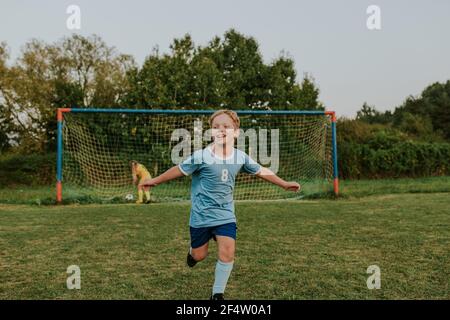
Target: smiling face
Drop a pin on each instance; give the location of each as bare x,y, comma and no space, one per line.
224,129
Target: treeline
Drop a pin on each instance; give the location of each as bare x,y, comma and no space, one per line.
80,71
411,141
228,72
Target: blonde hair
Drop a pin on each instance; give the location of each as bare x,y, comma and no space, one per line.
233,115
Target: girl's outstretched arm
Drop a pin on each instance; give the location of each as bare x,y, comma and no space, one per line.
170,174
268,175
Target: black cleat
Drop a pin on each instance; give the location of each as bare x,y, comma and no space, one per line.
190,260
217,296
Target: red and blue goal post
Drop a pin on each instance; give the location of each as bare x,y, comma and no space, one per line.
60,121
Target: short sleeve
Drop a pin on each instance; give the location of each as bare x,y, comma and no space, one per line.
191,164
250,166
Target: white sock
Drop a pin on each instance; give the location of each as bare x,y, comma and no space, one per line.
223,271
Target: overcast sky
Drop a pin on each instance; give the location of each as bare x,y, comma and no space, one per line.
327,39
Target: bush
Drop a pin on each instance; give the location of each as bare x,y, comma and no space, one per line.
382,151
31,170
400,159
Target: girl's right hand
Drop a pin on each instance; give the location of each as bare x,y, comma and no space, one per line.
292,186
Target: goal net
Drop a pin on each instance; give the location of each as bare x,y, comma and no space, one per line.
97,147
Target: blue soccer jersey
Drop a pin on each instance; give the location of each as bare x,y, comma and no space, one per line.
213,181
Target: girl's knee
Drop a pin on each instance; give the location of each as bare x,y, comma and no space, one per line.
199,255
226,255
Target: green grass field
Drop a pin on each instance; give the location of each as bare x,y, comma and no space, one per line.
46,195
307,249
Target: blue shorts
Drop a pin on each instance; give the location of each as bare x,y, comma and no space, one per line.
200,236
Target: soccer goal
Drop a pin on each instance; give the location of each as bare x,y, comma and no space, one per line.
95,147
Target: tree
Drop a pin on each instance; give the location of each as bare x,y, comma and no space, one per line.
76,71
415,125
8,127
5,139
80,71
227,73
434,102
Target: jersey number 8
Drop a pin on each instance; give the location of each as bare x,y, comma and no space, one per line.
224,175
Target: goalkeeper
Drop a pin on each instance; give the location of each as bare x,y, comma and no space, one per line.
140,173
214,170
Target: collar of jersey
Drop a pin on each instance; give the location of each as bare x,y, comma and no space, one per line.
209,148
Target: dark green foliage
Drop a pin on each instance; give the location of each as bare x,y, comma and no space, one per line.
379,151
426,117
227,73
413,141
5,141
433,103
30,170
369,114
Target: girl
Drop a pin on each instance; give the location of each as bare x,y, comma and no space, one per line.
214,170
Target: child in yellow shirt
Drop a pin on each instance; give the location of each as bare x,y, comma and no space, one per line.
140,173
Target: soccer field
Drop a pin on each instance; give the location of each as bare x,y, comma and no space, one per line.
315,249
